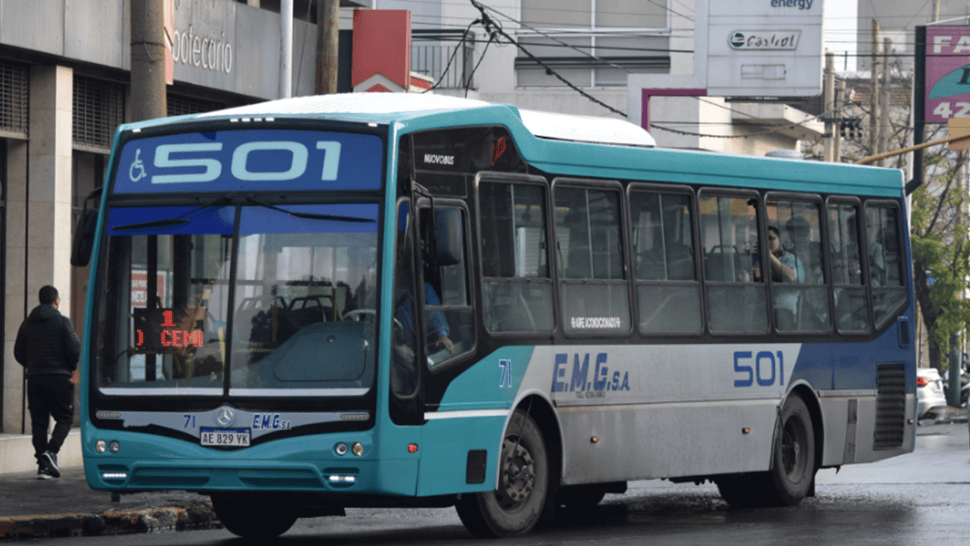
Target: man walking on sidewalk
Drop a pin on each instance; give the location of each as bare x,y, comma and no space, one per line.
48,347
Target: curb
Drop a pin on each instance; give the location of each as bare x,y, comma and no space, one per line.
193,515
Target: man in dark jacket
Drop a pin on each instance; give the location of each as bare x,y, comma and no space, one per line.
48,347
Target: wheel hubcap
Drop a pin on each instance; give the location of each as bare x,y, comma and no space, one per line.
518,474
792,440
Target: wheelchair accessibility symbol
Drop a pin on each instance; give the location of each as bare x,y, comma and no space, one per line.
137,169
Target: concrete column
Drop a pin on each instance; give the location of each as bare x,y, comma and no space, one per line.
38,217
49,187
15,286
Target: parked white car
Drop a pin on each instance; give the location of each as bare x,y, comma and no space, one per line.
929,393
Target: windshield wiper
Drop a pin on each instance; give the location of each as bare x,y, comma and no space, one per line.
178,220
308,215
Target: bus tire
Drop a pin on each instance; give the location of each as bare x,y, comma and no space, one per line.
581,496
252,518
793,455
523,484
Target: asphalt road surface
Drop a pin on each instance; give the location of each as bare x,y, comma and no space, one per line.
922,498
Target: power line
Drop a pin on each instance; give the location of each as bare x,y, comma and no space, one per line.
492,28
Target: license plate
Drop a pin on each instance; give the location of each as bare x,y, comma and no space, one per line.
224,437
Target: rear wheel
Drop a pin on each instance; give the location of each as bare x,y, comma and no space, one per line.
253,517
523,483
792,466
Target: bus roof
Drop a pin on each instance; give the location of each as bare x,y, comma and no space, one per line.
559,143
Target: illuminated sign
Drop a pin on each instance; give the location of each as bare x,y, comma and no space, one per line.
165,331
247,160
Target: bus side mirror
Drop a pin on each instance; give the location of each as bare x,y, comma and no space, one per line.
447,224
83,238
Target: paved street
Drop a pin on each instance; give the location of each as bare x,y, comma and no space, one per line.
920,498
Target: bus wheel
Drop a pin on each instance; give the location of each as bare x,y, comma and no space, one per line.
792,466
581,496
793,455
523,482
742,490
252,518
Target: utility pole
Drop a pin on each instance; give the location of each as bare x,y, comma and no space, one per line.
147,63
884,103
828,102
286,49
148,101
328,35
839,98
873,90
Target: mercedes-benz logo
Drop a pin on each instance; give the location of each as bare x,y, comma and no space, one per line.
224,416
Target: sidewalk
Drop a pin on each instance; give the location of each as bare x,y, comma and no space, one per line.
66,506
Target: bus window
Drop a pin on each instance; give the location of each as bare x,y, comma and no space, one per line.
167,302
595,295
447,307
403,352
851,308
886,275
663,254
735,284
800,304
302,285
516,284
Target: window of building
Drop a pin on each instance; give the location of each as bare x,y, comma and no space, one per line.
592,43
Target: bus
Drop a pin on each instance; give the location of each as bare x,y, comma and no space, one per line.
408,300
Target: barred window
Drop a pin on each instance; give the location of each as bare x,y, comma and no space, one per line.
14,97
99,107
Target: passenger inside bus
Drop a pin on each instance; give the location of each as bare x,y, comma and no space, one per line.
785,268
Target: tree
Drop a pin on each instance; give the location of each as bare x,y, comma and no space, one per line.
941,255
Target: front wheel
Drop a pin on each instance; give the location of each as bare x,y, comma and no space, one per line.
253,518
523,483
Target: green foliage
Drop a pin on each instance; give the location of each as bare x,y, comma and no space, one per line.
941,255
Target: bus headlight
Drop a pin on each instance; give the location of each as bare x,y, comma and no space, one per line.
357,449
114,447
341,448
100,446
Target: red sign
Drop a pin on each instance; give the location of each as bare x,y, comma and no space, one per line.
947,73
139,288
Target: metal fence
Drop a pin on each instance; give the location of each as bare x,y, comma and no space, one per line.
430,54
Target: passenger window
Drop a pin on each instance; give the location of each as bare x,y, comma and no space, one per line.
851,309
668,292
448,321
595,294
799,295
516,283
735,286
885,260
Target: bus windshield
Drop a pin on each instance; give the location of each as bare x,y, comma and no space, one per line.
262,300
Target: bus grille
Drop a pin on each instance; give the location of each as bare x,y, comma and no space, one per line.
890,406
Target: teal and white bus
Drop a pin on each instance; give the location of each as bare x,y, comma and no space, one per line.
317,303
